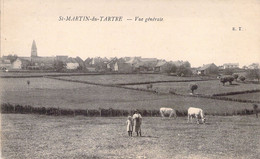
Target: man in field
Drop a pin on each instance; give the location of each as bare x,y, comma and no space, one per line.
137,122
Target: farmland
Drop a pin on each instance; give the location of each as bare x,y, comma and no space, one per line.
124,79
251,96
204,87
33,136
44,92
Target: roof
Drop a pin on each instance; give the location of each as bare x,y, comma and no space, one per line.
133,60
230,64
204,67
160,63
5,61
71,60
43,59
148,59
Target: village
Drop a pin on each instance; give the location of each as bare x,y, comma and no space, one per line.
113,65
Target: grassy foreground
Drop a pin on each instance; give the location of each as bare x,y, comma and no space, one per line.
32,136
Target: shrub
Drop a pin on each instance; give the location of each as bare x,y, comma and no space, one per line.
228,71
253,74
235,76
149,86
225,79
242,78
172,91
193,87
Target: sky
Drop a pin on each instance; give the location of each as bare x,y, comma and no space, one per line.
199,31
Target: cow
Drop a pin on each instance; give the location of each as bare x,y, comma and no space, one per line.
168,111
197,113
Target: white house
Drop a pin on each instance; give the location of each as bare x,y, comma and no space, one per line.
71,64
20,63
230,65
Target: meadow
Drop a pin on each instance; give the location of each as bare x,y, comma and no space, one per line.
128,78
43,92
250,96
204,87
40,136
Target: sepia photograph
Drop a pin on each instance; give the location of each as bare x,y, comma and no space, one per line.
140,79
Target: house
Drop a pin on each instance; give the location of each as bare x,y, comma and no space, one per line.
208,69
230,65
43,62
119,65
81,63
98,63
254,66
62,58
5,64
160,66
91,69
20,63
145,64
113,65
71,63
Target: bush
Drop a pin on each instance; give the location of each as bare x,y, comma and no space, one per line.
149,86
228,71
235,76
172,91
242,78
225,79
193,87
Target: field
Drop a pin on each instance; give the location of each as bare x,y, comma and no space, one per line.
131,78
32,136
204,87
43,92
250,96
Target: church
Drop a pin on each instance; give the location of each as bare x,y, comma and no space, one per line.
35,62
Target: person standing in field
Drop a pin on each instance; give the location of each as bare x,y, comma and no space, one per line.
129,127
255,106
137,123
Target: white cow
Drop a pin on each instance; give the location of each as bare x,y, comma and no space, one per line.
197,113
168,111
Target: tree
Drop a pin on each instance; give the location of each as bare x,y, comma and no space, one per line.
170,68
186,64
184,71
235,76
228,71
59,65
193,87
12,58
253,74
242,78
225,79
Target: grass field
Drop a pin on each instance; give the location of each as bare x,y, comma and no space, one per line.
204,87
248,96
44,92
128,78
32,136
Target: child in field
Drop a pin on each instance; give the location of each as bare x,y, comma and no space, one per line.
129,127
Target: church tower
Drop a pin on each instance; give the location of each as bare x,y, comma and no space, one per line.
34,50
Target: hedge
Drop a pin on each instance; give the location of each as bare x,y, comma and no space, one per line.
237,92
19,109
